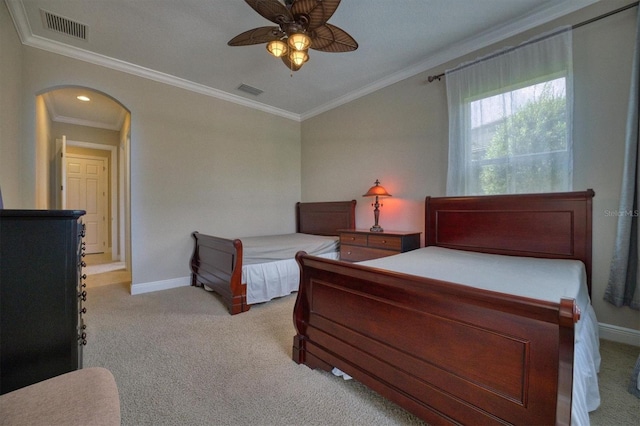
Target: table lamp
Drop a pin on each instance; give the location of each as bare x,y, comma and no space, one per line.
376,191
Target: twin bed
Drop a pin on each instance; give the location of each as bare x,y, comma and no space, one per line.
490,323
250,270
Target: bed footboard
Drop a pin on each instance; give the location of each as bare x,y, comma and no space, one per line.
217,263
447,353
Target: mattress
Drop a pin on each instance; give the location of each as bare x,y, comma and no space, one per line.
543,279
279,247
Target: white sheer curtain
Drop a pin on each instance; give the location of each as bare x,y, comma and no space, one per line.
510,119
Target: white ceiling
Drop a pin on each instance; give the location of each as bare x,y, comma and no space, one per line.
184,43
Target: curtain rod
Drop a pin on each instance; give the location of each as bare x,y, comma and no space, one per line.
438,77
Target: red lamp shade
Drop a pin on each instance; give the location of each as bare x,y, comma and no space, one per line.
377,191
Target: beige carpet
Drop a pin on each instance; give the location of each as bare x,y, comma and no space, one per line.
180,359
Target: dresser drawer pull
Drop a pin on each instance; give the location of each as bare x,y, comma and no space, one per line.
83,296
83,311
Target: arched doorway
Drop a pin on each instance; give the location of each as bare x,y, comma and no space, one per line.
80,128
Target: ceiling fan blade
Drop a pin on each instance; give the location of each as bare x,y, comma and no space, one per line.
319,11
256,36
329,38
289,64
273,10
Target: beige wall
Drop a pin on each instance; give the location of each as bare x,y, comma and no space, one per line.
44,152
11,158
400,135
197,163
80,133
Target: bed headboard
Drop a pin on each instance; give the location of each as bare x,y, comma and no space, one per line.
549,225
325,218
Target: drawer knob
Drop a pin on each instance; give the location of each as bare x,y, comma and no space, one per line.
83,310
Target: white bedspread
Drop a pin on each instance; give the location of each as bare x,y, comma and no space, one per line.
279,247
269,268
543,279
266,281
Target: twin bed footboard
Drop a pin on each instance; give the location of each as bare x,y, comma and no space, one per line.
448,353
217,263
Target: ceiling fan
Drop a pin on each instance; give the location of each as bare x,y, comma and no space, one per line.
302,25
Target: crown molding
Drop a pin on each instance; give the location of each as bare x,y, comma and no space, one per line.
18,14
536,18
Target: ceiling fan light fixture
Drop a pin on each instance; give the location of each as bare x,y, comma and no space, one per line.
299,41
301,25
277,48
299,57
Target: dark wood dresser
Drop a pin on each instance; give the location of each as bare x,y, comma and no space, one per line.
41,294
359,244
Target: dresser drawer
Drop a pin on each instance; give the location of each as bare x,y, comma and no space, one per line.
353,239
385,242
358,253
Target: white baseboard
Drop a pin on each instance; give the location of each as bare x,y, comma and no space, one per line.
160,285
614,333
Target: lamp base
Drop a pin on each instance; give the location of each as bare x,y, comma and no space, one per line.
376,228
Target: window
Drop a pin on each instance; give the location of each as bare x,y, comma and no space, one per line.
510,121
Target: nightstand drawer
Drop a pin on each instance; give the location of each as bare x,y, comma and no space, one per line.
354,239
385,242
359,244
357,253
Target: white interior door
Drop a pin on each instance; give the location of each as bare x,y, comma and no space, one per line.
85,190
61,173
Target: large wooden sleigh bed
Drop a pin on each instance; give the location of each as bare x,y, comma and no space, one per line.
450,353
218,263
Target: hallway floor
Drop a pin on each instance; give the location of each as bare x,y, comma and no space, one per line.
121,276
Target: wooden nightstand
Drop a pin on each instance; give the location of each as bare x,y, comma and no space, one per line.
361,244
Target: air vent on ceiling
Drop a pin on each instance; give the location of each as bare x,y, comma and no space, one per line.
250,89
63,25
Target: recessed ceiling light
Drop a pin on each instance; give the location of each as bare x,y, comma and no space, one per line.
84,98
